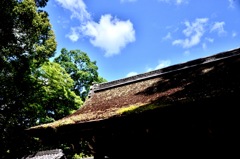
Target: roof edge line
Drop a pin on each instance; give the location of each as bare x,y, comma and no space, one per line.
167,70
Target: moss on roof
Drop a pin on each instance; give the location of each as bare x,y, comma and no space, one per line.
215,76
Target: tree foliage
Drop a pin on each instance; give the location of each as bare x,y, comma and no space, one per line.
54,98
81,69
32,89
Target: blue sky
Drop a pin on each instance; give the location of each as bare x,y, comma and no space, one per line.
129,37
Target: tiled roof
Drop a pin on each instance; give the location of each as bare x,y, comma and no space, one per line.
49,154
196,80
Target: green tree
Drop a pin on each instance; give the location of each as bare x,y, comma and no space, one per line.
32,89
26,42
81,69
54,98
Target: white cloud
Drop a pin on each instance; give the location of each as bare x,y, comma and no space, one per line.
234,34
148,69
168,36
131,74
178,2
77,8
161,64
231,4
193,33
110,34
211,40
218,27
74,35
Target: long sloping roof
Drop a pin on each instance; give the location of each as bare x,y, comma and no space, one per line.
196,80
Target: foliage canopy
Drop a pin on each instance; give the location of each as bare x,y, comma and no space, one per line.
82,70
34,90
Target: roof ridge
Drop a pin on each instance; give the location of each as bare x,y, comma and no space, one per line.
172,68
